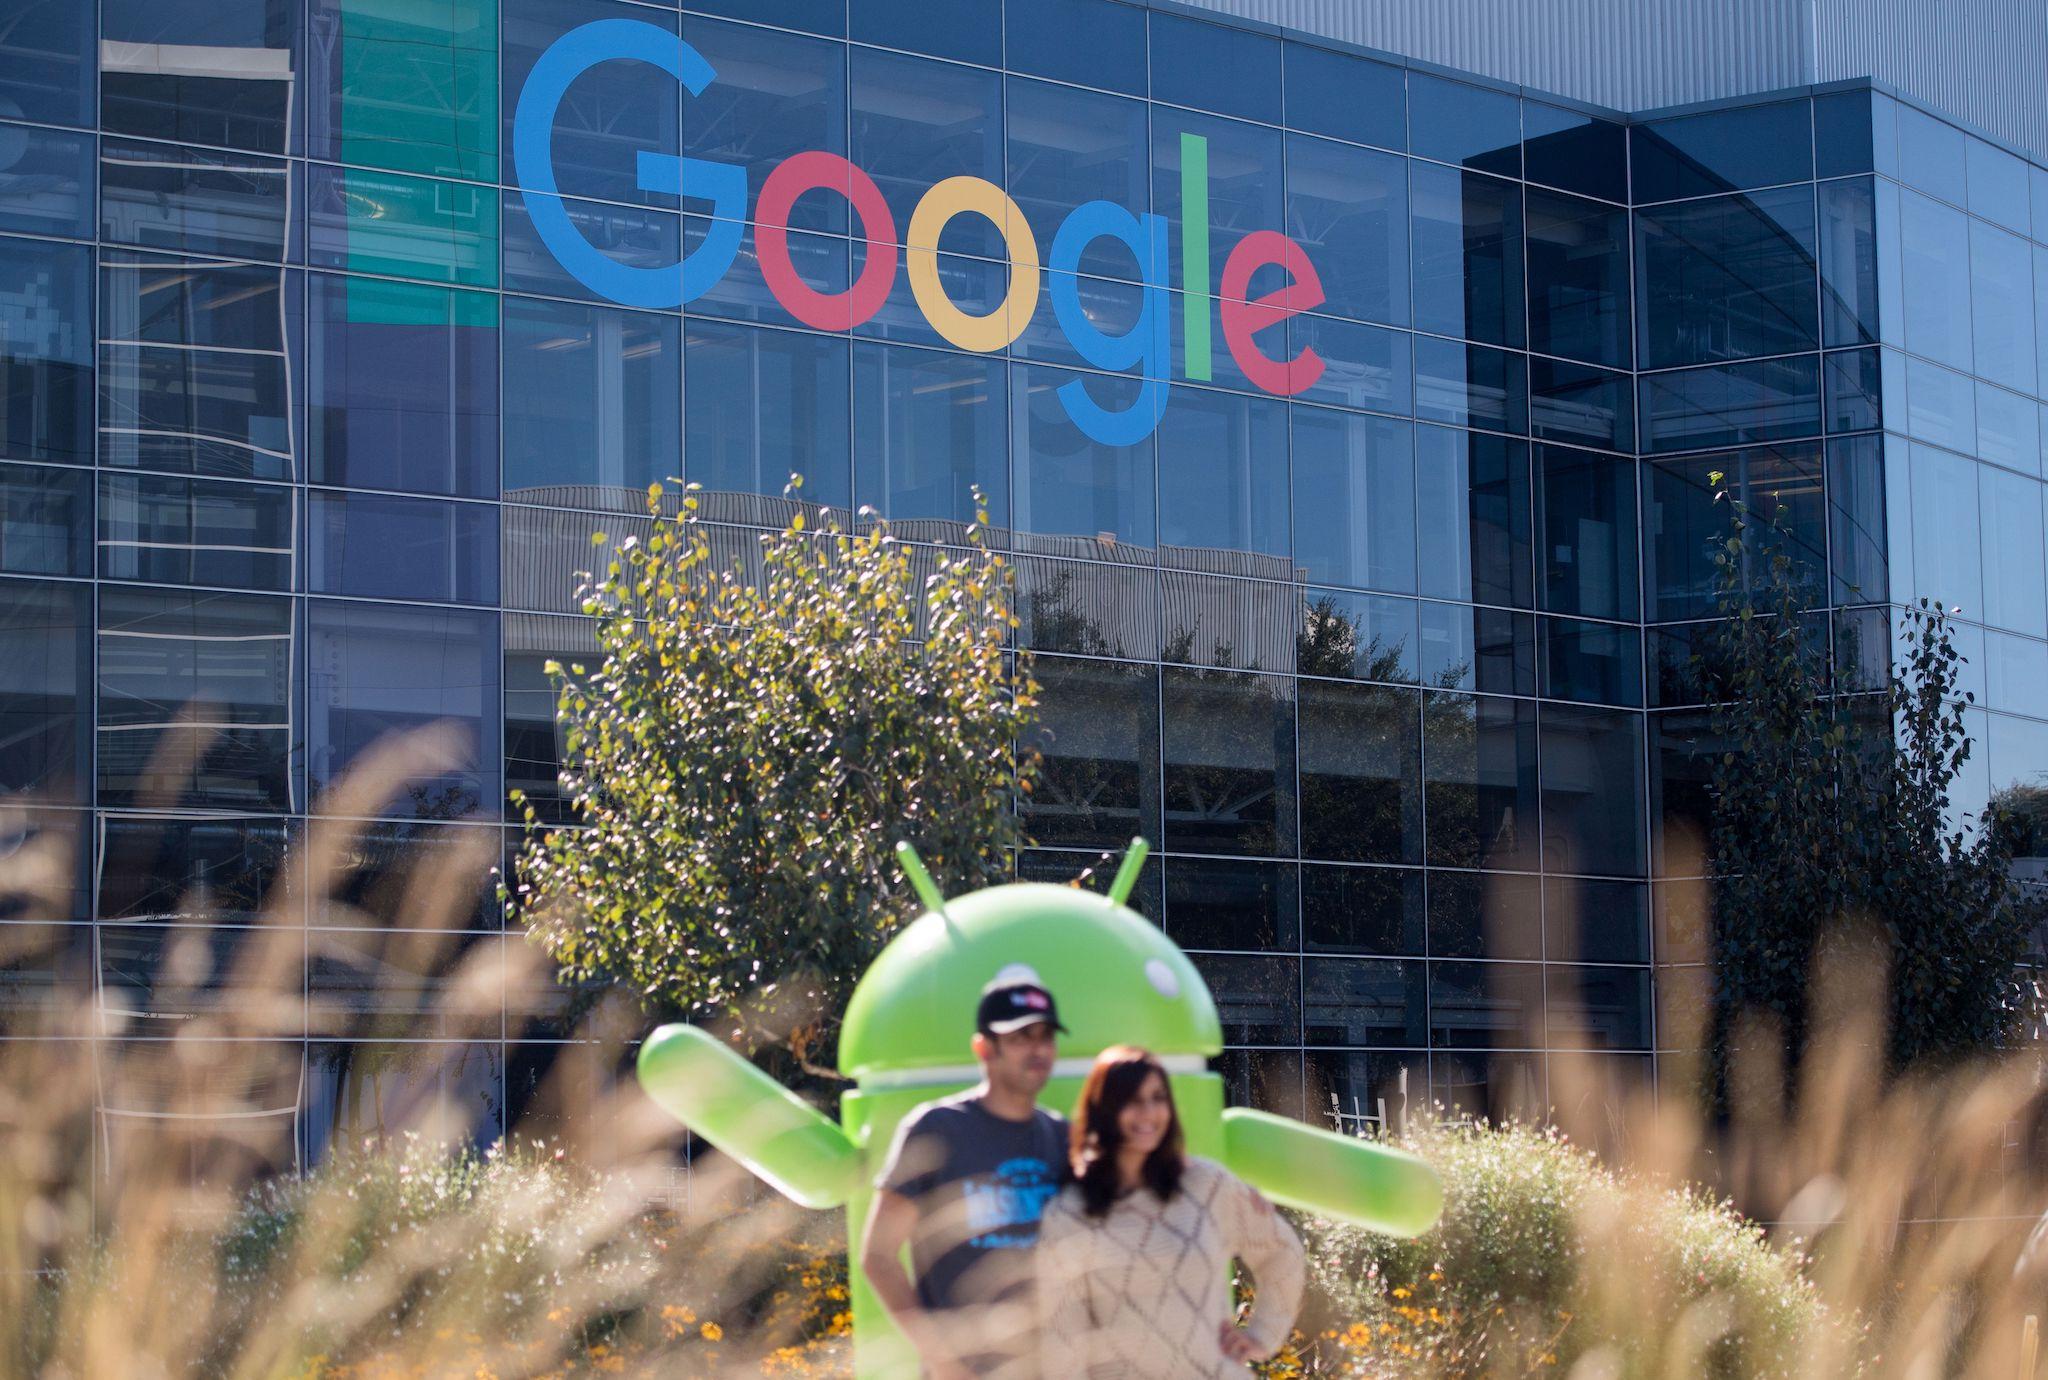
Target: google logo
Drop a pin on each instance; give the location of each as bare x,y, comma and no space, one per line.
724,185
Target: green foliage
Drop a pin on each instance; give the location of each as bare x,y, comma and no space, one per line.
747,753
1833,825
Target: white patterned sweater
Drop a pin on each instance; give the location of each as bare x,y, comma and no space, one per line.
1143,1291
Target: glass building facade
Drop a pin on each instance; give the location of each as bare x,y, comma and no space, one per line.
1353,426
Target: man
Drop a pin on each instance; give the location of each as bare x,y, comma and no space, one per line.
965,1183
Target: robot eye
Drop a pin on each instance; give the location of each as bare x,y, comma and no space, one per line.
1162,979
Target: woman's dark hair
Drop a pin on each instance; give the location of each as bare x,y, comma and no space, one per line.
1119,1072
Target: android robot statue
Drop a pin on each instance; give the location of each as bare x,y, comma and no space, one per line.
1118,980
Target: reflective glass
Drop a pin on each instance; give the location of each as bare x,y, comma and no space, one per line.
374,669
1345,97
592,405
825,263
1348,207
198,367
635,236
170,662
1596,922
1240,192
1098,736
1581,404
1848,263
1856,519
1228,621
1852,379
1229,904
390,982
152,978
383,547
1473,516
1682,752
1362,909
917,123
354,1091
1998,185
2010,531
1456,122
533,735
1485,915
1685,520
401,227
1091,42
1068,484
1070,147
613,113
2008,429
1354,499
1727,278
1933,156
1228,742
2015,669
1482,1006
46,352
1586,505
1471,385
973,286
411,88
1593,663
220,72
2041,320
1578,152
964,30
1467,257
812,16
1721,151
45,521
1222,477
48,64
763,404
46,180
1934,247
1087,607
45,666
168,529
1358,637
168,869
1578,279
2001,306
777,94
1730,404
1489,650
164,196
1592,782
1941,405
1364,366
1844,140
1210,67
402,386
928,429
1360,1001
1361,773
1258,997
1479,780
1597,1008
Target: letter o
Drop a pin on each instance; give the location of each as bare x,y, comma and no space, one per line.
825,311
983,198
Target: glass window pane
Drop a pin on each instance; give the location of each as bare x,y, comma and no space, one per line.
917,123
1258,996
224,870
45,521
1941,405
1593,663
46,352
167,529
1848,263
1067,483
1467,233
1578,279
764,404
402,227
1483,1006
1474,126
1222,478
1489,650
1358,637
533,734
410,88
1578,152
1040,39
826,17
777,94
1727,278
1366,367
49,61
403,388
1592,776
964,30
45,667
1597,1008
1240,192
1230,71
592,405
171,662
1229,621
1473,516
1348,208
1587,506
2014,597
1856,519
198,368
1087,607
201,201
46,180
2015,669
1843,138
1479,780
1998,185
1345,97
1471,385
1485,915
1362,1002
612,114
1581,404
1934,244
1361,773
1596,922
928,429
354,1091
1729,404
1098,736
2001,305
1228,740
1722,151
402,548
635,236
374,669
1218,904
1354,499
2008,429
1070,147
1854,389
1684,522
219,72
1374,910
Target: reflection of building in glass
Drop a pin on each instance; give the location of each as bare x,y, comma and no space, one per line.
305,431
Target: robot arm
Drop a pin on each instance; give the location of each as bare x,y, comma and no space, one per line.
1315,1170
748,1115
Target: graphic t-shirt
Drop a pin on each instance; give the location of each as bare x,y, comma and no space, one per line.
980,1182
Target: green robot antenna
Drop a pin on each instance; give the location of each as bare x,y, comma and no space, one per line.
1119,980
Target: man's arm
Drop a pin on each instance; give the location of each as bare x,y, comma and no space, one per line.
890,1223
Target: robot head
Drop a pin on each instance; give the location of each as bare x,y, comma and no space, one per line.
1116,976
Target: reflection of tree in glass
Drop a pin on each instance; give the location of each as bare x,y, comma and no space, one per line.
1058,624
1360,773
1472,814
1328,645
1229,743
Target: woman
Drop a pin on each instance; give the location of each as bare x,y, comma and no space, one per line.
1133,1257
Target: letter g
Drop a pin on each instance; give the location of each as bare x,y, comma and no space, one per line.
722,184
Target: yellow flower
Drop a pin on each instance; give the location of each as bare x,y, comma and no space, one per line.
1402,1292
712,1331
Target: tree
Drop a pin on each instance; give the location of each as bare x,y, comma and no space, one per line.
750,749
1833,824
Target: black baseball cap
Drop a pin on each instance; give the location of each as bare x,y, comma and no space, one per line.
1009,1004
